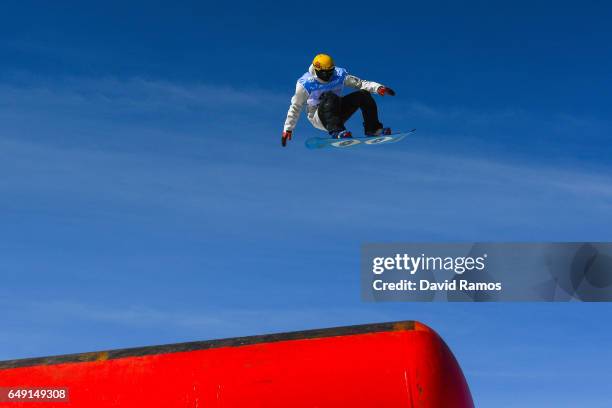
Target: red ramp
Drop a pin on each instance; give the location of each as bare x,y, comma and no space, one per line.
400,364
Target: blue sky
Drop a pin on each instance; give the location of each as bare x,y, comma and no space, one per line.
145,198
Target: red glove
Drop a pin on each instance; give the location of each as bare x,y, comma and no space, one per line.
383,90
286,136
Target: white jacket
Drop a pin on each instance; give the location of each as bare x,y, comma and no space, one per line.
301,96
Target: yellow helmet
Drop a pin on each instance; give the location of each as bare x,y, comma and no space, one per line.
323,62
324,67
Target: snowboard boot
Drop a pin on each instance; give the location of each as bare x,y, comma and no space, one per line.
341,134
379,132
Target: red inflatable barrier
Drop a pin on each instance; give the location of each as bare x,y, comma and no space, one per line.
400,364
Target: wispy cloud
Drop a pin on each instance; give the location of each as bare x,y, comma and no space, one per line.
174,325
215,189
115,157
132,94
562,139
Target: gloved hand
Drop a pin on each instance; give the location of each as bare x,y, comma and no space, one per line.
383,90
286,136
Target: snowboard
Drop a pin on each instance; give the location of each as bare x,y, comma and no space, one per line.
321,142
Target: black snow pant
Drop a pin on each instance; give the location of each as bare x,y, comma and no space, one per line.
334,110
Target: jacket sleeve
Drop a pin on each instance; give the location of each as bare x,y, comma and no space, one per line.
297,103
357,83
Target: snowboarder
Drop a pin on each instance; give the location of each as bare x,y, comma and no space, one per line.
321,88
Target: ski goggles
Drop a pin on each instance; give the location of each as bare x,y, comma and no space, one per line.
325,74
